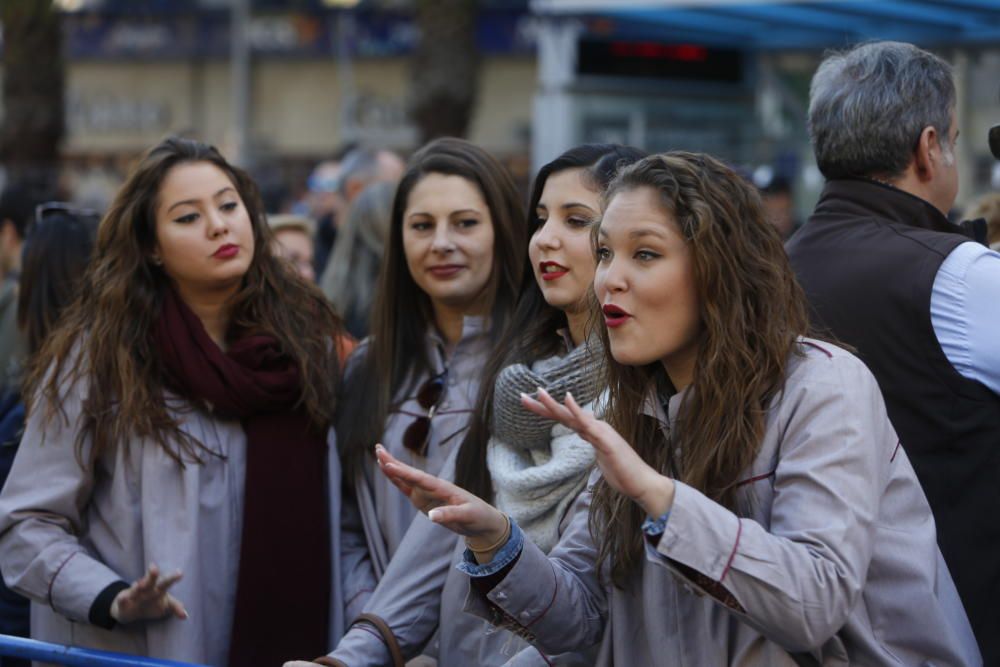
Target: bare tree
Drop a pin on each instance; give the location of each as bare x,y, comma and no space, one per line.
33,81
445,70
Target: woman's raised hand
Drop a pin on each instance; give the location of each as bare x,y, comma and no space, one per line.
621,465
148,599
445,503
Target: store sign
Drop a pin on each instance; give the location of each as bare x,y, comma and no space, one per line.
103,112
287,33
140,37
106,37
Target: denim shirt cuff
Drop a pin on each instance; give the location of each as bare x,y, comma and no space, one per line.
655,527
501,559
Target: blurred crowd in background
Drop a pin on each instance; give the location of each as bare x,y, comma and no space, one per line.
322,101
286,88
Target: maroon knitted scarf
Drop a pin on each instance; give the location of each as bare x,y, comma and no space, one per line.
283,587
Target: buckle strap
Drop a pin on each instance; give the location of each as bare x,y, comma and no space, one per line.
390,639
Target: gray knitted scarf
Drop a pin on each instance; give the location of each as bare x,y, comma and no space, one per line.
538,466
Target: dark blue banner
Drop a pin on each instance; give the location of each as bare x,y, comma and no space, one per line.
174,36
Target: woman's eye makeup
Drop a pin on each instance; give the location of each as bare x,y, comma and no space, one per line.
230,206
189,217
573,220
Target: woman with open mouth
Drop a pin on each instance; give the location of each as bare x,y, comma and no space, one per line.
530,466
753,505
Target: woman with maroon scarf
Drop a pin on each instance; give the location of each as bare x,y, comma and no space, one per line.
176,493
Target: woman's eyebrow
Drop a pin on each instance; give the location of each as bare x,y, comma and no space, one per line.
576,204
195,201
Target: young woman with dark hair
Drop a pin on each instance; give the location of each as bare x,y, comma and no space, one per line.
753,504
176,460
453,267
532,466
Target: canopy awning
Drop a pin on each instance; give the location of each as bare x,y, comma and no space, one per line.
789,24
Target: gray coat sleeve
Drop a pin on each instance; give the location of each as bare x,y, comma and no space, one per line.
42,517
407,598
555,602
358,574
358,571
795,580
798,580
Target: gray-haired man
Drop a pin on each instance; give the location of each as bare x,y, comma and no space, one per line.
886,272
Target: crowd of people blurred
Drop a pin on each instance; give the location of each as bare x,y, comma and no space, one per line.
626,423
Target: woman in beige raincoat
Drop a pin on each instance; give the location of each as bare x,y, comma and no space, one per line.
753,504
177,444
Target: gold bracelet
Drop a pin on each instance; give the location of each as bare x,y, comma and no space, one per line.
496,545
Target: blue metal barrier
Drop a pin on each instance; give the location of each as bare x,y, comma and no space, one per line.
18,647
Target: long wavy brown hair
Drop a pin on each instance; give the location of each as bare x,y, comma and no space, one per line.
103,346
752,312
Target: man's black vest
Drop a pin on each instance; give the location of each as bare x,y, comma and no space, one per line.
867,259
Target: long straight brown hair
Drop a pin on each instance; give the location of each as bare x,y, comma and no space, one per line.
752,312
396,352
103,344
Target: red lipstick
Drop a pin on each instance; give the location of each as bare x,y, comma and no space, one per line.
226,251
552,271
614,316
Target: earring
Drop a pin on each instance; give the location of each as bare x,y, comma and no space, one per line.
158,261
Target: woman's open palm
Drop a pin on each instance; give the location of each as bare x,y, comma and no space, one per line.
445,503
148,599
621,465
